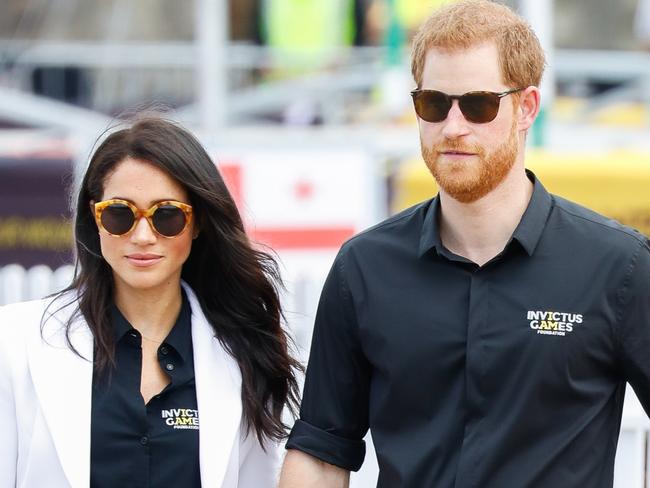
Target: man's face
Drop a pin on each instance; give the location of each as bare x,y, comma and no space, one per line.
467,159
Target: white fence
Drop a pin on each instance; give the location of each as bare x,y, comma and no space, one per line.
303,287
18,284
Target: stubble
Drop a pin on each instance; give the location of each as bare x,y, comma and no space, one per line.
468,181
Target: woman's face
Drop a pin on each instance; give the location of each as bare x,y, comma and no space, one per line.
143,260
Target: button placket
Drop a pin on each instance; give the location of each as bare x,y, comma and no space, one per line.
475,359
477,315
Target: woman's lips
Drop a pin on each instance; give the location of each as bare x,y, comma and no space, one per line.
143,260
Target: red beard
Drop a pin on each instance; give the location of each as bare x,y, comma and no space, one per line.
468,181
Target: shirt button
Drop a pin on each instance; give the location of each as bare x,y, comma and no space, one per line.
134,335
169,366
163,350
144,440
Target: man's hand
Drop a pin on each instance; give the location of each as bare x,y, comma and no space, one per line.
301,470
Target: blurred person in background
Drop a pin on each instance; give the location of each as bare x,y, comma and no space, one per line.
411,12
308,28
484,336
306,36
164,363
642,24
408,15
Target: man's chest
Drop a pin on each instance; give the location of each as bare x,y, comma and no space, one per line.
492,329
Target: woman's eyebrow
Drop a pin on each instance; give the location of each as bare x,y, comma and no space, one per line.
151,202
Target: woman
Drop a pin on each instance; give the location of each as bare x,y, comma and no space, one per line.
164,363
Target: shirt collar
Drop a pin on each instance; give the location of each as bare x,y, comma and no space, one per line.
527,233
532,223
430,237
179,338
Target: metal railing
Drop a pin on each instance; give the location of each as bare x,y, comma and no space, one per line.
125,72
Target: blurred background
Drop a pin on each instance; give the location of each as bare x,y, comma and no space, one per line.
305,107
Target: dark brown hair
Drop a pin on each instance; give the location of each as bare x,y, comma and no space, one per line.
236,284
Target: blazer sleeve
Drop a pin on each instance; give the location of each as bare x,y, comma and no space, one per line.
258,467
9,437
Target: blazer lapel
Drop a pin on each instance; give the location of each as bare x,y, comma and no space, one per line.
63,384
218,392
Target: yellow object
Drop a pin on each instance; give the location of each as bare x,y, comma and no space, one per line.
621,114
568,108
627,114
615,183
308,24
411,13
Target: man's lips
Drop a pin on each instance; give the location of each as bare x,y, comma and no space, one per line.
143,260
456,153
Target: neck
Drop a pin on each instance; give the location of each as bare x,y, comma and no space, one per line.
152,312
480,230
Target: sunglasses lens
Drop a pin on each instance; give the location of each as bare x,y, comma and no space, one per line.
479,107
117,219
169,220
432,106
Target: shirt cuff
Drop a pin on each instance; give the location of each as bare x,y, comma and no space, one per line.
339,451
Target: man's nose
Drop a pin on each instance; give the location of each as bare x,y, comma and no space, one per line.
455,125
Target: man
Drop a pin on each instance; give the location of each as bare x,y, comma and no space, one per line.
485,336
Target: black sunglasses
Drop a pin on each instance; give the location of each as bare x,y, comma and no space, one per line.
476,106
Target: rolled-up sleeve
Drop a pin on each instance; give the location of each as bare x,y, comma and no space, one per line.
334,411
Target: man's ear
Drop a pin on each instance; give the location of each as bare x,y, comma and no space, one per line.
529,106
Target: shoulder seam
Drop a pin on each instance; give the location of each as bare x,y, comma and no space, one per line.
620,313
389,221
639,238
345,289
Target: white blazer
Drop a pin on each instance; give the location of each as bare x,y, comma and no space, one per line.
45,401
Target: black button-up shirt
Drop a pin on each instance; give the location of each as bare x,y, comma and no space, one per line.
134,445
508,375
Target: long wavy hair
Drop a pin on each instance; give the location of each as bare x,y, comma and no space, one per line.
236,284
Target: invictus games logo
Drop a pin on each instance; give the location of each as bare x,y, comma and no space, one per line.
181,418
553,323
